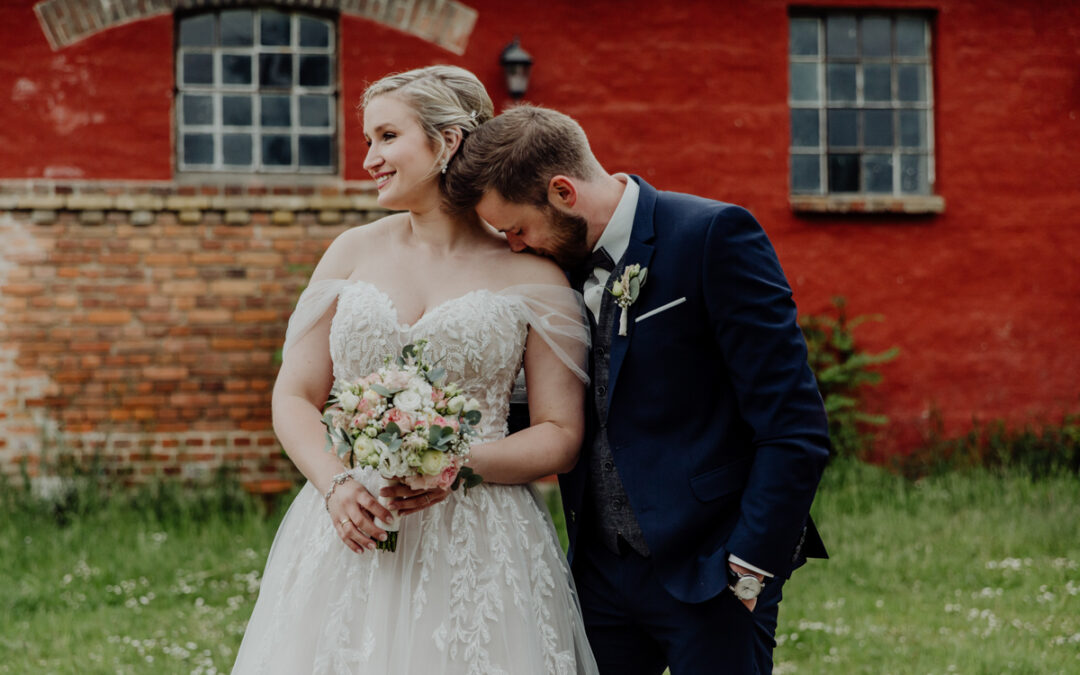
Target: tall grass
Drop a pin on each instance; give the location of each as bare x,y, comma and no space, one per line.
974,572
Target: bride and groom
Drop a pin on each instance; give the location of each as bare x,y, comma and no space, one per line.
667,385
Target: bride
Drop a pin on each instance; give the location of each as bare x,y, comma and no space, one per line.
478,583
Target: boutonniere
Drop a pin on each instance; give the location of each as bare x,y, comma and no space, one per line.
626,289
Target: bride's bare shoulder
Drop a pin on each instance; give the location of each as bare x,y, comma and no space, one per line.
350,247
529,268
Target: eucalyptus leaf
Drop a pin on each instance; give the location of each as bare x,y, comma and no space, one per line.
473,417
381,390
435,376
635,288
642,275
393,428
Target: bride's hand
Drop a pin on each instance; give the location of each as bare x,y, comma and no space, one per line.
405,500
354,510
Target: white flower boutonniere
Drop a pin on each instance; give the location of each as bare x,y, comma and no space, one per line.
626,289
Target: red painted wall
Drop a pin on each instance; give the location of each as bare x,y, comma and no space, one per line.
693,96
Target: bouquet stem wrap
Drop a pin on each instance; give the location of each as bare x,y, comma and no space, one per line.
395,521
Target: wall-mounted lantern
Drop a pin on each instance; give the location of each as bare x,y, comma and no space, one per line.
516,63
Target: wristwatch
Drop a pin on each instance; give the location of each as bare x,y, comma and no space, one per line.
744,586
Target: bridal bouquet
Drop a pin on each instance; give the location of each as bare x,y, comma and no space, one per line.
407,423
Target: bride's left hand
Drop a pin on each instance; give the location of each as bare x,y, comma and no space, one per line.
405,500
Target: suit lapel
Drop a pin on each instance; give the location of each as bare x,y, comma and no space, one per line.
639,251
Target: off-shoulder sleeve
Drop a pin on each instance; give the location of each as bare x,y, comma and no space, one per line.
557,315
314,302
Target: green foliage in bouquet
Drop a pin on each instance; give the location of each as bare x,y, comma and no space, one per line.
842,370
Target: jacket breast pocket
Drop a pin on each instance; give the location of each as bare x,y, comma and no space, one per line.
722,481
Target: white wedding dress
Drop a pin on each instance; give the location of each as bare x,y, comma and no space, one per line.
478,584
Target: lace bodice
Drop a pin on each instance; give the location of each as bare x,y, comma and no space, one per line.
478,337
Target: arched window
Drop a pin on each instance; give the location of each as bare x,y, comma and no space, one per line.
256,92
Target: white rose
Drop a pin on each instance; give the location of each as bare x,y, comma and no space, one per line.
372,397
472,405
348,400
408,401
617,289
423,389
456,404
432,462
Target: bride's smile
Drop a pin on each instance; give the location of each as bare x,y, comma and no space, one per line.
401,158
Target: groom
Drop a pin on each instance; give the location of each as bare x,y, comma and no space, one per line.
690,504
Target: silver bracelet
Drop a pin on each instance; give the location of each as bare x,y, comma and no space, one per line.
338,480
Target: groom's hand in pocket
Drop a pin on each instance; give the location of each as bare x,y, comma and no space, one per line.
406,500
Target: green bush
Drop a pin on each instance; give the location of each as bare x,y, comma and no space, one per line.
842,370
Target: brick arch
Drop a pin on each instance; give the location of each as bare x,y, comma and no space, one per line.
446,23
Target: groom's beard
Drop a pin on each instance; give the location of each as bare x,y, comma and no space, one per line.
569,239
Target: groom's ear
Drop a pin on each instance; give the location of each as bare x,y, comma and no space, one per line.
562,193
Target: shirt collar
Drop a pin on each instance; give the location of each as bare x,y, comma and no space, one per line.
616,235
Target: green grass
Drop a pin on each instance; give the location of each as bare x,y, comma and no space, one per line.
966,573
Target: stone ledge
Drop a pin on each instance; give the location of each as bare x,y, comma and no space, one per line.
863,204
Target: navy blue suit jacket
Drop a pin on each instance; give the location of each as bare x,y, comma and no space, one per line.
714,418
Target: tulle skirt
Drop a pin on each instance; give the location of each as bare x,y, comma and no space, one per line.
478,586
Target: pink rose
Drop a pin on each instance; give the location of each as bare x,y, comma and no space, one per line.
400,418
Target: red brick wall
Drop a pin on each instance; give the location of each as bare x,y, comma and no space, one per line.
141,325
692,95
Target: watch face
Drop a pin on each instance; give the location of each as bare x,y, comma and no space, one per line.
747,588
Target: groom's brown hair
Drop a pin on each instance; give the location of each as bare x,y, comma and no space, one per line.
516,154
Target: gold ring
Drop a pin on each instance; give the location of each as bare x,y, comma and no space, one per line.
344,520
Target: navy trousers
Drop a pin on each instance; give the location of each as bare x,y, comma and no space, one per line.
636,627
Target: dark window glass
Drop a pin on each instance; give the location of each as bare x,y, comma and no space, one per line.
198,69
877,82
236,28
274,27
840,35
841,81
314,111
235,69
805,173
877,170
198,149
236,111
276,150
197,31
315,150
913,129
911,83
275,70
314,33
805,131
275,112
913,174
910,36
236,149
878,128
803,40
198,109
314,71
843,128
876,36
804,82
843,173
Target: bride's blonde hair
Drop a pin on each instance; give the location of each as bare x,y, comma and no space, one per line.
442,97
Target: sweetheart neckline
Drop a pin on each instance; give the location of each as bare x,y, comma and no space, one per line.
427,312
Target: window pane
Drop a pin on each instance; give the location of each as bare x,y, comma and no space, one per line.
274,28
877,82
198,149
275,112
913,129
911,83
805,131
805,173
197,31
804,82
236,111
314,71
910,36
913,174
843,128
878,128
878,172
315,150
198,69
235,69
876,36
803,40
275,70
237,149
198,109
841,81
236,28
314,33
843,173
840,35
276,150
314,111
